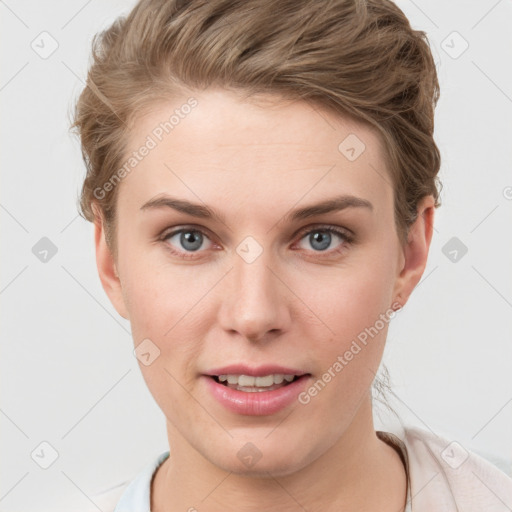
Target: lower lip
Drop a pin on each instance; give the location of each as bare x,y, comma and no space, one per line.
257,403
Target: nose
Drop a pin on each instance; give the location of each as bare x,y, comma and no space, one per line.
253,302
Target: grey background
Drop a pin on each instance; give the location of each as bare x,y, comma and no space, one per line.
68,374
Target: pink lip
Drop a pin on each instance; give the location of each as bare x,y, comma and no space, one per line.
243,369
258,403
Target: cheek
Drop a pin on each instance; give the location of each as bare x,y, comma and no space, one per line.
164,308
156,293
167,305
349,299
348,359
355,311
152,308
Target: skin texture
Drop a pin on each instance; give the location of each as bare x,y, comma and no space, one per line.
295,305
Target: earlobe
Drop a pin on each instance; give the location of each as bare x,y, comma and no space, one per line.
107,270
415,252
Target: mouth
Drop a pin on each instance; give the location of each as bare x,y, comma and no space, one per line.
250,384
261,395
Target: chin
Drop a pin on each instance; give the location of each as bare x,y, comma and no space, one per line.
272,459
276,467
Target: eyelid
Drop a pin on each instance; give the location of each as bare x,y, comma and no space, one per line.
347,233
169,232
184,227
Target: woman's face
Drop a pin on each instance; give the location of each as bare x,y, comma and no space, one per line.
261,280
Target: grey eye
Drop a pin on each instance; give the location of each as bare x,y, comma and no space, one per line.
189,239
320,240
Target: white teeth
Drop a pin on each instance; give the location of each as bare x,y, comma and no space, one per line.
278,378
267,380
249,380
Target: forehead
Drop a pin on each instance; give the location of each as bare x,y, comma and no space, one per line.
261,149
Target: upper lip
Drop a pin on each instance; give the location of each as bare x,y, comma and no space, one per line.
259,371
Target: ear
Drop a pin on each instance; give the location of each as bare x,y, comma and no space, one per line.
414,253
107,270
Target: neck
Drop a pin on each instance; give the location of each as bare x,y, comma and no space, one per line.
359,472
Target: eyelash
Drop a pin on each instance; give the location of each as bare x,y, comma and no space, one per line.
348,239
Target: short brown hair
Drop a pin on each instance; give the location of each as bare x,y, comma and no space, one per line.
359,58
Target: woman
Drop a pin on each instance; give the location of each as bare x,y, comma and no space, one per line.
263,177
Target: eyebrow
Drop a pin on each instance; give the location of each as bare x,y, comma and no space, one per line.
204,212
